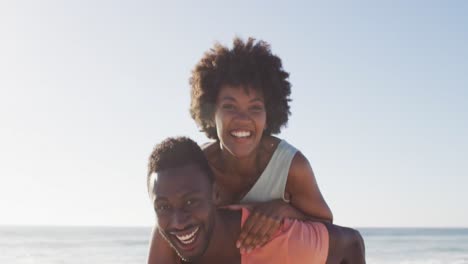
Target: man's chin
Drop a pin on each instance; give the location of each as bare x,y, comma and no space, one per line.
188,256
191,251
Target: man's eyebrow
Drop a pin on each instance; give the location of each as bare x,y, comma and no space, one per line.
189,193
160,199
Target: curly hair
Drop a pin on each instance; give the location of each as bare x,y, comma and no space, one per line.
175,152
250,64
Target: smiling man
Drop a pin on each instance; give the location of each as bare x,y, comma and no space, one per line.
181,187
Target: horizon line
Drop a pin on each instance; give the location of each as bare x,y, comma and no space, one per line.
148,226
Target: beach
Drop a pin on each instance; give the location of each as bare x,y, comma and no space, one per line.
129,245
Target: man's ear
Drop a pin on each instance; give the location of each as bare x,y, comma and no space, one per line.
216,194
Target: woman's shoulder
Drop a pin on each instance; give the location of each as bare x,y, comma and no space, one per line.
300,168
273,144
270,143
299,162
285,151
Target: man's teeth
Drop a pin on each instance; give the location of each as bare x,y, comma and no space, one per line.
187,241
241,134
189,238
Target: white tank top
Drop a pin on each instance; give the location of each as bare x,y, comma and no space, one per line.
272,183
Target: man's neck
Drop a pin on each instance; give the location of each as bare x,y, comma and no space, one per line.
222,247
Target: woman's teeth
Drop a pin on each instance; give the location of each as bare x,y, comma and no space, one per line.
240,134
189,238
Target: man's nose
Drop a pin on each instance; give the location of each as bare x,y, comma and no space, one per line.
180,219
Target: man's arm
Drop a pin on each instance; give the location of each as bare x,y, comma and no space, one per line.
346,245
160,252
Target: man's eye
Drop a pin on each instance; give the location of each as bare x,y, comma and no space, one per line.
191,202
162,208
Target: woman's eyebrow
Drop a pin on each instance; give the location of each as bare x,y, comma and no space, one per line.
230,98
256,99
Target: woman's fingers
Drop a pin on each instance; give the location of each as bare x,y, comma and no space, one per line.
264,235
263,222
246,231
256,233
258,230
269,234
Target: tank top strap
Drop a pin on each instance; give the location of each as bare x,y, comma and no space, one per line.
272,183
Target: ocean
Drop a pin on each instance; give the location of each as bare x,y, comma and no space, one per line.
416,245
129,245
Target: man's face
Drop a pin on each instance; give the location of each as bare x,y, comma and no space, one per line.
184,208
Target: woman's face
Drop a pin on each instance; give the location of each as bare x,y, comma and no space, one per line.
240,119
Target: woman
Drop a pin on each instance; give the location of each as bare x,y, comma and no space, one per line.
239,98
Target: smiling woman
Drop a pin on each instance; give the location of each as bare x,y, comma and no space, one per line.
240,98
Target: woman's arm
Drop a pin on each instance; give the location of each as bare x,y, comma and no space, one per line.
306,203
160,251
303,191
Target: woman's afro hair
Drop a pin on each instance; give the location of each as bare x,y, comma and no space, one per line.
248,64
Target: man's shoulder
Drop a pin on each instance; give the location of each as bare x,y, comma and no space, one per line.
232,210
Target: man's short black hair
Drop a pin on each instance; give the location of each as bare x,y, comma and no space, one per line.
175,152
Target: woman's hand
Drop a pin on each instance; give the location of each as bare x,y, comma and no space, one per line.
263,221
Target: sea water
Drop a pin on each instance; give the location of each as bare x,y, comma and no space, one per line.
416,245
73,245
129,245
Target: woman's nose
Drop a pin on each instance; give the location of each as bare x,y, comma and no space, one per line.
242,115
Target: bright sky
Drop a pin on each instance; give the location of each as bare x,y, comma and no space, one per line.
87,88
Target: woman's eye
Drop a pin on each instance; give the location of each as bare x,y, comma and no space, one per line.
228,107
256,108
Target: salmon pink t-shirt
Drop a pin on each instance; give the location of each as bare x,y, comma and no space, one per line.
295,242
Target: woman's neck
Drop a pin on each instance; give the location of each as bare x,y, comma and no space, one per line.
248,165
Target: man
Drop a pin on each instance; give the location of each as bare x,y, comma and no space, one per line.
181,187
